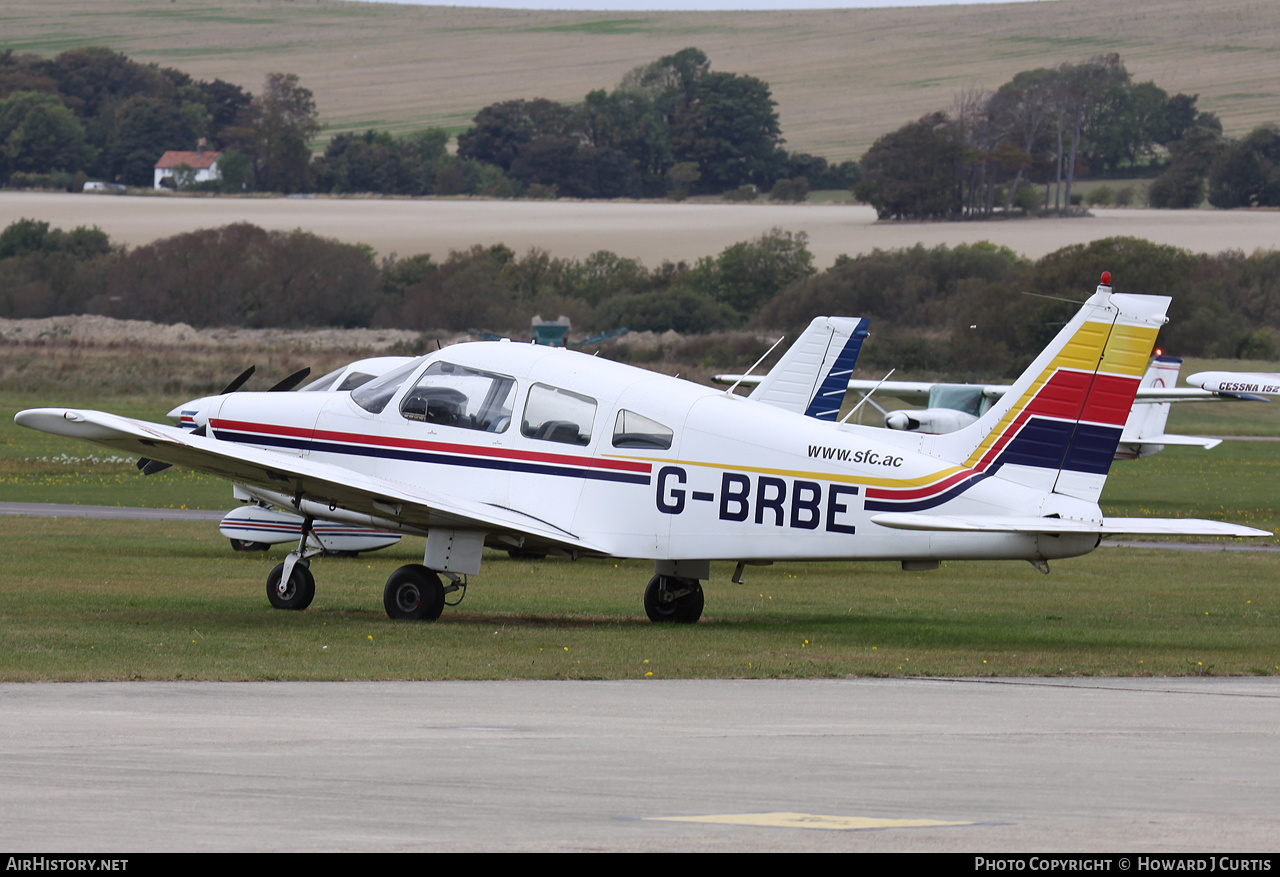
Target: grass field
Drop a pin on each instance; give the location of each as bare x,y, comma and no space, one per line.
95,600
91,599
841,77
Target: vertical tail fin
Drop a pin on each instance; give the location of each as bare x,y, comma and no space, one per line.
1059,425
813,375
1147,419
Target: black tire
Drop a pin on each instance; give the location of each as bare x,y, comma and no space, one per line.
300,592
246,545
670,600
413,591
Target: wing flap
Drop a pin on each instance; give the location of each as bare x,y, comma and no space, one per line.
294,476
1059,526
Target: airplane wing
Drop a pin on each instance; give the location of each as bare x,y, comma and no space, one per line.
293,476
1058,526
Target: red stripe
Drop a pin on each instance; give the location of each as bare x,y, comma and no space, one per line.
1111,400
1062,396
1067,395
919,492
439,447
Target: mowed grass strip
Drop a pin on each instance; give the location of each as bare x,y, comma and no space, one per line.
107,600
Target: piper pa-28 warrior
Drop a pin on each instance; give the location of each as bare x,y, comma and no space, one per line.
521,446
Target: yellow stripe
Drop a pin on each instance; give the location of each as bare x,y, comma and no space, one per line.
798,473
1128,350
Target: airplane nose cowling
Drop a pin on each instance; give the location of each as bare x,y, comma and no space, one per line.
898,420
191,414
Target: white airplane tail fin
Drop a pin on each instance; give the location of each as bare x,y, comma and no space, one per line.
813,375
1059,425
1144,433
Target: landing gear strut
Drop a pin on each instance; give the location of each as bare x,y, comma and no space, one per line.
291,584
672,599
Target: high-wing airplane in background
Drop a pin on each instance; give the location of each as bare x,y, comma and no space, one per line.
547,449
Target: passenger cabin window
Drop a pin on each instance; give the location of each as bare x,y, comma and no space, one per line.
455,395
633,430
375,395
555,415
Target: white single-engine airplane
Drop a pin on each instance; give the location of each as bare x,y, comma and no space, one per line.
1233,383
522,446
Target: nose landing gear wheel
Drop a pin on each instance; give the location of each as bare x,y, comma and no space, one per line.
673,600
413,591
297,594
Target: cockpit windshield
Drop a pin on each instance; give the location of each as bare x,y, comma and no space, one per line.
375,395
957,397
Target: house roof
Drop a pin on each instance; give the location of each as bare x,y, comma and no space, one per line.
194,160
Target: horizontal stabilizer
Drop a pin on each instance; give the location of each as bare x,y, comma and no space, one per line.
1190,441
1058,526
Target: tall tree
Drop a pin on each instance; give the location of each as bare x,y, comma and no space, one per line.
911,173
1023,109
275,132
39,135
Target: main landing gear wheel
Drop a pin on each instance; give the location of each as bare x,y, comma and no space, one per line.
413,591
297,594
246,545
671,599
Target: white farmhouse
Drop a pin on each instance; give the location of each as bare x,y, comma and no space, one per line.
204,163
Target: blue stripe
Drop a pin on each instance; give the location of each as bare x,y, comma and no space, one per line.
1093,448
873,505
300,444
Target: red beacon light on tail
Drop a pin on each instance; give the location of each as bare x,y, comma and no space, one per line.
1106,278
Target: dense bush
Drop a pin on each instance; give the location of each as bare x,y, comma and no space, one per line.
954,310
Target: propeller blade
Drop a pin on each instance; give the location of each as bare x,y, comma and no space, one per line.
239,381
151,467
290,382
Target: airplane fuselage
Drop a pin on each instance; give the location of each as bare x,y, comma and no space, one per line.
737,480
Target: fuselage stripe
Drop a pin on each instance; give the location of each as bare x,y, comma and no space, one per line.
580,469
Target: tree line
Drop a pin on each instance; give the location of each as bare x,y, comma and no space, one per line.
94,113
670,128
1042,128
946,310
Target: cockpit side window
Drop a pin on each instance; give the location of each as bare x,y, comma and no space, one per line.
632,430
375,395
455,395
353,380
555,415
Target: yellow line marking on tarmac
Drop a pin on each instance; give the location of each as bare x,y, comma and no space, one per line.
807,820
